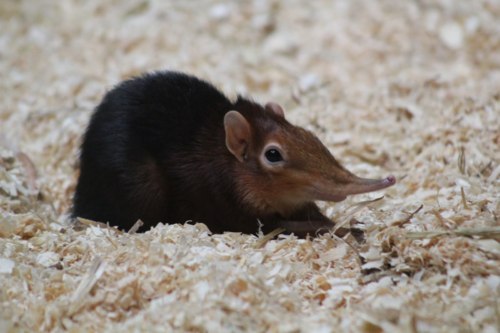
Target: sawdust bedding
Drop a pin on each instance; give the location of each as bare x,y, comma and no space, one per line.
409,88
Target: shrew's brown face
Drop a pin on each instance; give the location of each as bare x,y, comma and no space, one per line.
290,165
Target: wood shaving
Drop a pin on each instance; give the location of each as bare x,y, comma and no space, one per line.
405,88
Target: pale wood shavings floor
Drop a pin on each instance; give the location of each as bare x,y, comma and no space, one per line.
409,87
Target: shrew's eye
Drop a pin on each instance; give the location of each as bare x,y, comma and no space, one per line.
273,155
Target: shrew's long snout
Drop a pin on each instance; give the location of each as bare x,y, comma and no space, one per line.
338,188
362,185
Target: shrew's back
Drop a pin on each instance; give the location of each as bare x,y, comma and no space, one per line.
131,140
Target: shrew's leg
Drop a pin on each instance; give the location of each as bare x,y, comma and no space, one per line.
309,221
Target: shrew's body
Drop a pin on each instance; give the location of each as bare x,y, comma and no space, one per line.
168,147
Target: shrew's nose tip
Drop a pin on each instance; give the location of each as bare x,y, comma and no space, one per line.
390,180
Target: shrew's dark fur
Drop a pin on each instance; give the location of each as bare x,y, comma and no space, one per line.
155,150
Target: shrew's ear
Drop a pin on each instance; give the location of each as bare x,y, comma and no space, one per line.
275,108
238,134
